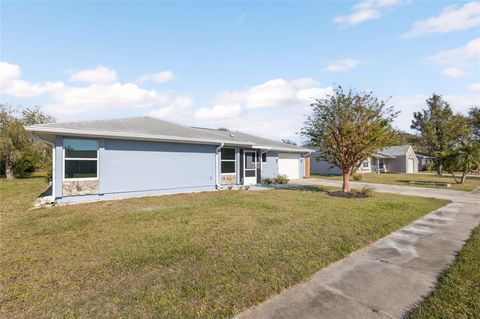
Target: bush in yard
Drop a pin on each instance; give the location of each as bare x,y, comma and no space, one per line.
366,191
357,177
28,163
280,179
428,167
19,153
267,181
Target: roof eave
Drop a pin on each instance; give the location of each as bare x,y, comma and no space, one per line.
291,150
132,136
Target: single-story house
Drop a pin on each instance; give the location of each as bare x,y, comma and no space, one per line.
424,159
394,159
140,156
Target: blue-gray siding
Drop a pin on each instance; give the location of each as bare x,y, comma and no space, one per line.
145,168
270,168
132,166
137,168
318,166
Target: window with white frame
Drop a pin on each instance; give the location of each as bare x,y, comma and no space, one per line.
227,160
80,158
365,164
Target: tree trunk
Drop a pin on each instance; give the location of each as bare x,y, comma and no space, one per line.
439,169
9,170
454,177
346,182
464,177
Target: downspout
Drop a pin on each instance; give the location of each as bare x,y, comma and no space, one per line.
217,183
37,137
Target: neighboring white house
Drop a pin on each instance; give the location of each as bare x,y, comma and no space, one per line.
394,159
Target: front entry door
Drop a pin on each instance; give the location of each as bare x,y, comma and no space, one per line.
250,168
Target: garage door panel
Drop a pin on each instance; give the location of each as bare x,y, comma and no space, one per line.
289,165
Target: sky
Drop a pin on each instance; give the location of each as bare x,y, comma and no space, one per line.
249,66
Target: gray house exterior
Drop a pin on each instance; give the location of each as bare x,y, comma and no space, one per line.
143,156
394,159
404,161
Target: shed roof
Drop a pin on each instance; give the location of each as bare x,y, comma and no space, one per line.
149,128
398,150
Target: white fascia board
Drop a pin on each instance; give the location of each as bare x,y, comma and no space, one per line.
289,150
132,136
283,149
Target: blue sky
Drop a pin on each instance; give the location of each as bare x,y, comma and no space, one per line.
251,66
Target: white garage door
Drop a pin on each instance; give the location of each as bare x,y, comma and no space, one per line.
410,164
289,164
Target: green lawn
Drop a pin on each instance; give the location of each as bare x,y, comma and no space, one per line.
209,254
458,292
402,179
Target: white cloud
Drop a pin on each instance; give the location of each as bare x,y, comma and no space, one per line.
342,65
22,88
304,82
183,102
273,93
9,71
11,84
66,101
367,10
110,95
159,77
465,54
452,18
164,112
219,112
100,75
454,73
474,86
308,95
459,62
278,101
414,103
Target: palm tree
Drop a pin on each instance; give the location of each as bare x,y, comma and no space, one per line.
465,158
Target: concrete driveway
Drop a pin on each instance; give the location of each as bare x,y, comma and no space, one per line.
387,278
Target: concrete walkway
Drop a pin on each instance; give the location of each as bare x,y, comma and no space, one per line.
449,194
387,278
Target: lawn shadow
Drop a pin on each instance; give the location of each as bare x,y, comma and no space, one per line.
44,199
29,176
47,192
299,187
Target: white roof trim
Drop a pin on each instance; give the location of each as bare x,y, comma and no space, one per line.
150,137
135,136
